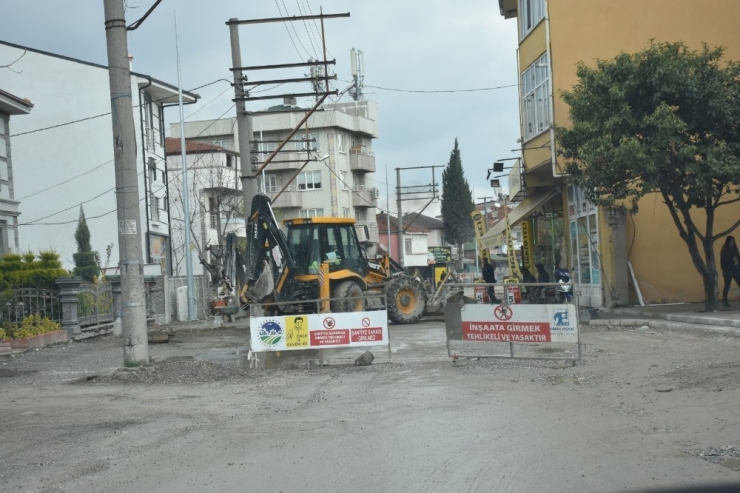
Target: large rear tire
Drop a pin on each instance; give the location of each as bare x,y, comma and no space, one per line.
351,298
406,300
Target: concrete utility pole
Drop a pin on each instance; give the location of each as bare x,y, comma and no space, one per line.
131,263
243,120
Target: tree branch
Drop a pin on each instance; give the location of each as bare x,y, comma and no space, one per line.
727,231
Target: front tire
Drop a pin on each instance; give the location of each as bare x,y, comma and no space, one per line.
405,300
351,298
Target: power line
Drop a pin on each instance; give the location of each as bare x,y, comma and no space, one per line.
300,57
97,116
135,25
201,156
107,162
436,91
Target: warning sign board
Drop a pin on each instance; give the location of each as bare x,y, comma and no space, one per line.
519,323
317,331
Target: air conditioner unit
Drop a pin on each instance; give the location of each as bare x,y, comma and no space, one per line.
375,193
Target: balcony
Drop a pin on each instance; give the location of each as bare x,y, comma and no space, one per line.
289,199
361,160
296,161
365,197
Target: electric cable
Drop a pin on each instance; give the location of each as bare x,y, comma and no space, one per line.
37,223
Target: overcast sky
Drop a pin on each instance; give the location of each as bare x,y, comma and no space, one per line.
411,44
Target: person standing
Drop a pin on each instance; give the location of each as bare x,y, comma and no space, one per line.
729,260
489,278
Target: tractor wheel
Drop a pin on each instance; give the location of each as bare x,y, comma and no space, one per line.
406,300
351,297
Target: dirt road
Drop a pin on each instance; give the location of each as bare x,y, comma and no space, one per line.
636,415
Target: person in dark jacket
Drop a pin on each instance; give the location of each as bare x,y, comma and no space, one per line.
490,278
528,278
542,275
729,260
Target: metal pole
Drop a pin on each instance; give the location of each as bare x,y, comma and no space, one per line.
244,123
131,262
388,212
400,219
186,190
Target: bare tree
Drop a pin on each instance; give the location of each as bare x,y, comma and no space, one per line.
216,206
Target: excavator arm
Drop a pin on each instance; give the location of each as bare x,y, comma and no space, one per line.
269,264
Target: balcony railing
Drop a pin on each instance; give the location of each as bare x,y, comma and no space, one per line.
296,161
289,199
361,160
363,197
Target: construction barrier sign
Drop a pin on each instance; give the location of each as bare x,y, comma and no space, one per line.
317,331
519,323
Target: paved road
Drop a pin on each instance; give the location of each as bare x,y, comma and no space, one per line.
635,415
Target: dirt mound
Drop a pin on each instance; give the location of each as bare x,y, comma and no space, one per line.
169,371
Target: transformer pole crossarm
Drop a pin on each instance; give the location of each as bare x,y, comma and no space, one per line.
294,18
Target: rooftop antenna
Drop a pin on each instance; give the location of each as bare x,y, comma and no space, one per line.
357,60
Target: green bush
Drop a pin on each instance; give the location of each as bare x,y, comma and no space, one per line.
32,325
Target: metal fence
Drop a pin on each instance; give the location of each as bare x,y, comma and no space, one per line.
21,303
202,288
95,304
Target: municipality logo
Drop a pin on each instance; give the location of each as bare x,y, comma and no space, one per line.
271,332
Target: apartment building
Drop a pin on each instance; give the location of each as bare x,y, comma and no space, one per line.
63,153
342,185
599,245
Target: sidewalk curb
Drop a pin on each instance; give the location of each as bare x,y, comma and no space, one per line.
674,317
667,325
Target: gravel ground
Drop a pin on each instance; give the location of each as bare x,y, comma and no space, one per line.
644,410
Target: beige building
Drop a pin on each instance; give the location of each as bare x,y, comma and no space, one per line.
342,186
599,245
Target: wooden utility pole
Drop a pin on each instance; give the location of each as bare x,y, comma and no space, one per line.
131,263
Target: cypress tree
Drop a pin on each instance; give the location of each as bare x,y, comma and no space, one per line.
457,203
86,261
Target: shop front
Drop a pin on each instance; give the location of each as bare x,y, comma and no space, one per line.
585,261
543,230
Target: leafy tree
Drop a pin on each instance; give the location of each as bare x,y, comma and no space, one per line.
665,120
457,203
87,262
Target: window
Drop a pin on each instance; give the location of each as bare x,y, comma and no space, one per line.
269,146
229,160
340,142
360,216
155,207
345,211
270,185
531,12
536,98
152,171
311,213
343,179
309,180
359,181
308,143
407,246
165,200
213,212
224,144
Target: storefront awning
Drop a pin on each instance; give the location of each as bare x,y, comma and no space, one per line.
497,235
